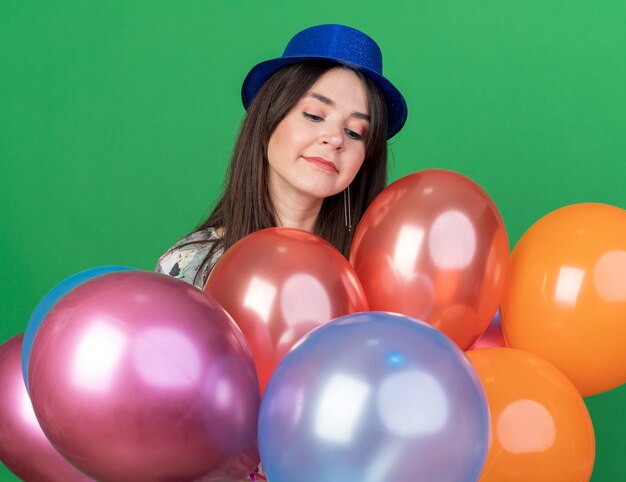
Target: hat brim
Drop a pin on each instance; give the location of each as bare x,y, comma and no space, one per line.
396,105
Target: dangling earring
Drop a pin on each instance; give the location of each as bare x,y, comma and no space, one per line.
347,212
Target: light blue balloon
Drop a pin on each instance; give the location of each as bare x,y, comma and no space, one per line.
374,397
51,298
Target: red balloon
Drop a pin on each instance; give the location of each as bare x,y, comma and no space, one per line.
280,283
136,376
433,246
24,448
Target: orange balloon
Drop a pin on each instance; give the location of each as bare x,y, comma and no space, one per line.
540,427
433,246
280,283
566,299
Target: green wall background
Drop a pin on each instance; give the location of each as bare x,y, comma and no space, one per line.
117,118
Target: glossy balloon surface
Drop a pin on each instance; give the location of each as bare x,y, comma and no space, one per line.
278,284
137,376
374,397
49,300
540,426
24,448
433,246
566,299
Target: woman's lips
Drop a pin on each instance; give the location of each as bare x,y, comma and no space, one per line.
322,163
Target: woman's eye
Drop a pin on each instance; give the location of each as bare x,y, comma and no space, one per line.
354,135
312,117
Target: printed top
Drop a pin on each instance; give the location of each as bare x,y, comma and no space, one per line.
185,258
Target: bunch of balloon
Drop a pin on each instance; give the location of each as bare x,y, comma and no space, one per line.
566,299
24,448
374,397
433,245
136,376
280,283
540,426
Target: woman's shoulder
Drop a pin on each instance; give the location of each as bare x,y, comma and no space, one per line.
189,256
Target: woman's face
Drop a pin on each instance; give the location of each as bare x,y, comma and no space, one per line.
318,148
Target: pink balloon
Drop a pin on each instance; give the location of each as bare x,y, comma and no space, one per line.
136,376
24,448
493,337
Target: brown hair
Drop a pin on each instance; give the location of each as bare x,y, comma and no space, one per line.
245,205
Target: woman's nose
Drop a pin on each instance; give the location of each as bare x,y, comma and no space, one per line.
333,136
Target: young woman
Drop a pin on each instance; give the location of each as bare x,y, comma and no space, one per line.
311,152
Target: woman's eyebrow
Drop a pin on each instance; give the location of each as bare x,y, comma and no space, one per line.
325,100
